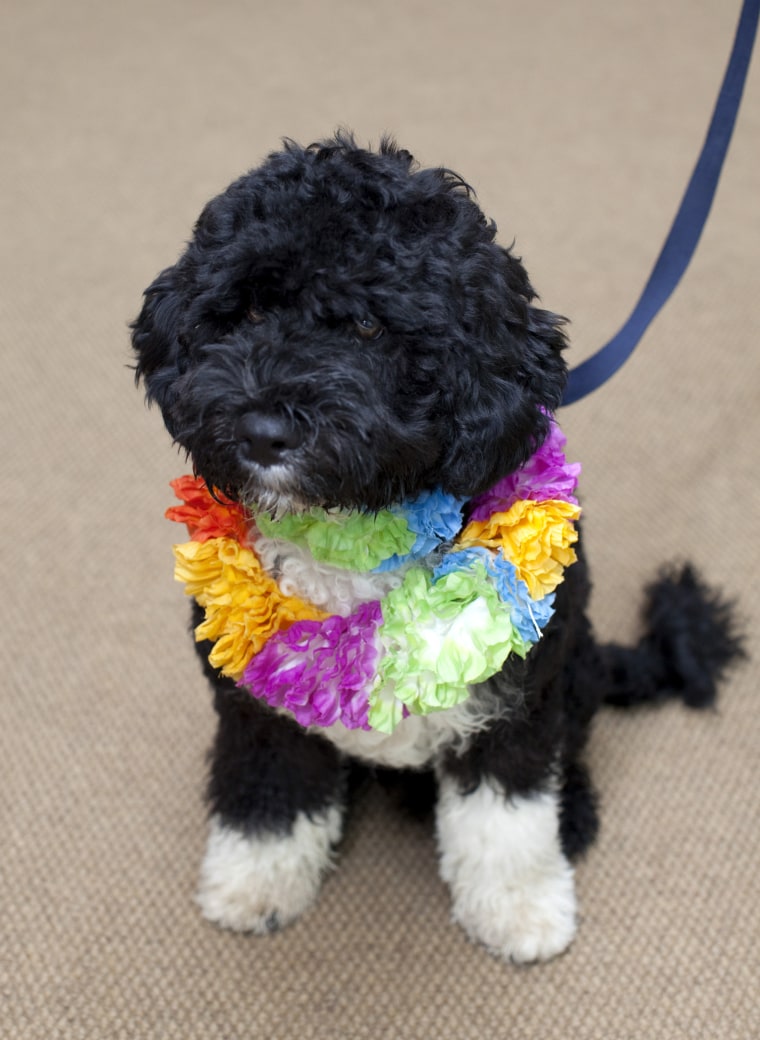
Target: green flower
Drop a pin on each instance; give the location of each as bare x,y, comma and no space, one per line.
355,541
439,638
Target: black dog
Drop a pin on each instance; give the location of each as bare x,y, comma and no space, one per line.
344,332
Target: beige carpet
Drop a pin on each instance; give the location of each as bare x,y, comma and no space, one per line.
579,124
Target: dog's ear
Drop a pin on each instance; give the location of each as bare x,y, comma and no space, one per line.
502,407
497,429
155,340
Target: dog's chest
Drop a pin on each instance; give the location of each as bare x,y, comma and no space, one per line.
416,741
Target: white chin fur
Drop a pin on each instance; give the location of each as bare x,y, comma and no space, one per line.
262,882
512,887
269,489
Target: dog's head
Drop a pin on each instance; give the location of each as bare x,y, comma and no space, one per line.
343,330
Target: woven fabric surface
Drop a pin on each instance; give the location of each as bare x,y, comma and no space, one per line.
578,124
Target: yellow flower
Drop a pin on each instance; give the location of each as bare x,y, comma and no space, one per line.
535,536
243,605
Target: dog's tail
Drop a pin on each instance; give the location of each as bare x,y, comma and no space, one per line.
691,639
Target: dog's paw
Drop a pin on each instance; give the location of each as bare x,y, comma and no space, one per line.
260,883
533,921
512,888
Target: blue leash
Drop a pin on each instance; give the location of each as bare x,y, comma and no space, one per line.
689,222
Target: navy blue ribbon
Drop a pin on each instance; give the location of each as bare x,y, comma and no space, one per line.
688,224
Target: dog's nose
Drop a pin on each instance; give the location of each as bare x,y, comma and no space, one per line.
265,437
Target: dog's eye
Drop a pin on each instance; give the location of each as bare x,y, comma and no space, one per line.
254,315
368,328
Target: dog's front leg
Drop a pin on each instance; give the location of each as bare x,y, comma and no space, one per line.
512,887
500,821
276,795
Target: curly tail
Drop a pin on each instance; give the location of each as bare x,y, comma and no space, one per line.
690,641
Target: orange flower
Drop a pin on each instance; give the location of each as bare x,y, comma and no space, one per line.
535,536
204,516
243,605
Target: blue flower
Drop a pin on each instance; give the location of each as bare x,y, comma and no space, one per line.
434,517
529,616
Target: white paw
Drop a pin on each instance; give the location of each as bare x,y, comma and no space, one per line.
259,883
534,922
512,888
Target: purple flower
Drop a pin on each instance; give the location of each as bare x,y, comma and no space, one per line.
321,671
546,475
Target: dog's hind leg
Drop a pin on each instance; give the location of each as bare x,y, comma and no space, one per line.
276,796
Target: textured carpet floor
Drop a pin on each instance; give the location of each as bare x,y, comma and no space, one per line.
578,124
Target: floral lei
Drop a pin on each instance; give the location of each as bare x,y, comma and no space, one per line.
478,585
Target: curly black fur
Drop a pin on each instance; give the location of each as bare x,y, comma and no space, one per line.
689,642
344,330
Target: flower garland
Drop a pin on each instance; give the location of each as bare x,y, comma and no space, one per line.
476,584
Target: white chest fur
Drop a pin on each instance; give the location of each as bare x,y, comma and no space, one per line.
417,739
